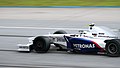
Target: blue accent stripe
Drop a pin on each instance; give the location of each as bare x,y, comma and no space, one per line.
59,6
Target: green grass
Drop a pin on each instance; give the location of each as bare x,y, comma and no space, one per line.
59,2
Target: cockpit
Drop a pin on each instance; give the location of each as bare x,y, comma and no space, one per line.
98,31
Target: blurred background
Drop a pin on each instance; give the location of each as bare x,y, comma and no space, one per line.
59,2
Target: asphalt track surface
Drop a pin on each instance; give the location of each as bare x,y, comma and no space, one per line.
18,24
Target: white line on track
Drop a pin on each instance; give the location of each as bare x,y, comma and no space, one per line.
42,28
46,28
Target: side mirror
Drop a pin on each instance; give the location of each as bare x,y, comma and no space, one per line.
91,25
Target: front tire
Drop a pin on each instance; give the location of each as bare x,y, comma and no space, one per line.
60,32
41,44
113,48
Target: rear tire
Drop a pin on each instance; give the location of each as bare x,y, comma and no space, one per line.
113,48
41,44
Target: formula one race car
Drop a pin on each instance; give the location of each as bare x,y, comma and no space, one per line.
95,39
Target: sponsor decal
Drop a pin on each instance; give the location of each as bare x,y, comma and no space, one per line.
84,45
58,39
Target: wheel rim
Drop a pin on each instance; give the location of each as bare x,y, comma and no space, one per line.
112,48
39,45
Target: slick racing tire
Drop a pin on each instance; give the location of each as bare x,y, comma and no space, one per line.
41,44
60,32
113,48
